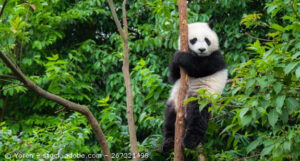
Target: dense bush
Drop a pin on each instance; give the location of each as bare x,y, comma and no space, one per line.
72,49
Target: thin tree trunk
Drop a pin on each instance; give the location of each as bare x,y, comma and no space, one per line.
180,122
124,34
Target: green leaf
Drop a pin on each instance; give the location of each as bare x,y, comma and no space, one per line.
37,45
246,120
271,8
298,72
277,27
277,87
227,128
292,103
266,150
190,99
279,103
235,90
273,117
262,82
254,144
53,58
285,115
296,55
250,83
290,67
287,146
243,111
202,106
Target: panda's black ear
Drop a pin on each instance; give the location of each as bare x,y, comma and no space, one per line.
211,24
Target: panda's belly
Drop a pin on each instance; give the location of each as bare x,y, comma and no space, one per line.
214,83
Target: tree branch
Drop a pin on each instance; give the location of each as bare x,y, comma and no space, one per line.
3,6
9,81
180,122
66,103
294,10
124,34
261,39
8,77
115,17
246,158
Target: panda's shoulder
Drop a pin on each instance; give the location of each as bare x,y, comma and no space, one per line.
217,57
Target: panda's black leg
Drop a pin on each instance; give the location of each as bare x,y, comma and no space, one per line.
196,124
169,127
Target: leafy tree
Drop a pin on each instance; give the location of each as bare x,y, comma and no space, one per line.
73,49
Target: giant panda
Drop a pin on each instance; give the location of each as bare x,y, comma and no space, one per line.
206,69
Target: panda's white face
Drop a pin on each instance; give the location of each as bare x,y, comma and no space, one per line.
202,39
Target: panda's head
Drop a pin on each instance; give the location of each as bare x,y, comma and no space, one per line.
202,39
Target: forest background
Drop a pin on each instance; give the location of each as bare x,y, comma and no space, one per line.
72,49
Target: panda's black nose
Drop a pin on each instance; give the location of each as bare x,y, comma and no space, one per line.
201,50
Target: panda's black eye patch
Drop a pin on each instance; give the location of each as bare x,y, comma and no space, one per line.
193,41
207,41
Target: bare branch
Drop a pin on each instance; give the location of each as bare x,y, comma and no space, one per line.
8,77
3,7
180,122
60,110
249,157
261,39
115,17
66,103
9,81
129,99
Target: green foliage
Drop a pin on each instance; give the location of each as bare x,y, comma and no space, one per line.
72,49
57,136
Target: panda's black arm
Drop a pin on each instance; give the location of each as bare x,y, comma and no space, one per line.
174,72
196,66
188,61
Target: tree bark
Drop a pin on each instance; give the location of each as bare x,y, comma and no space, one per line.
66,103
3,6
129,99
180,122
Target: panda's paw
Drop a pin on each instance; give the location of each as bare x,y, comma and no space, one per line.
191,141
168,144
179,56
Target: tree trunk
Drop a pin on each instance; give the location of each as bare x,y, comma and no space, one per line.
180,122
124,34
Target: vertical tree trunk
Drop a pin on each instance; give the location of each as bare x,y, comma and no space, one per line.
180,122
124,34
125,69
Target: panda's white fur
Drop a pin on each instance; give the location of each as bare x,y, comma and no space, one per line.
213,83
